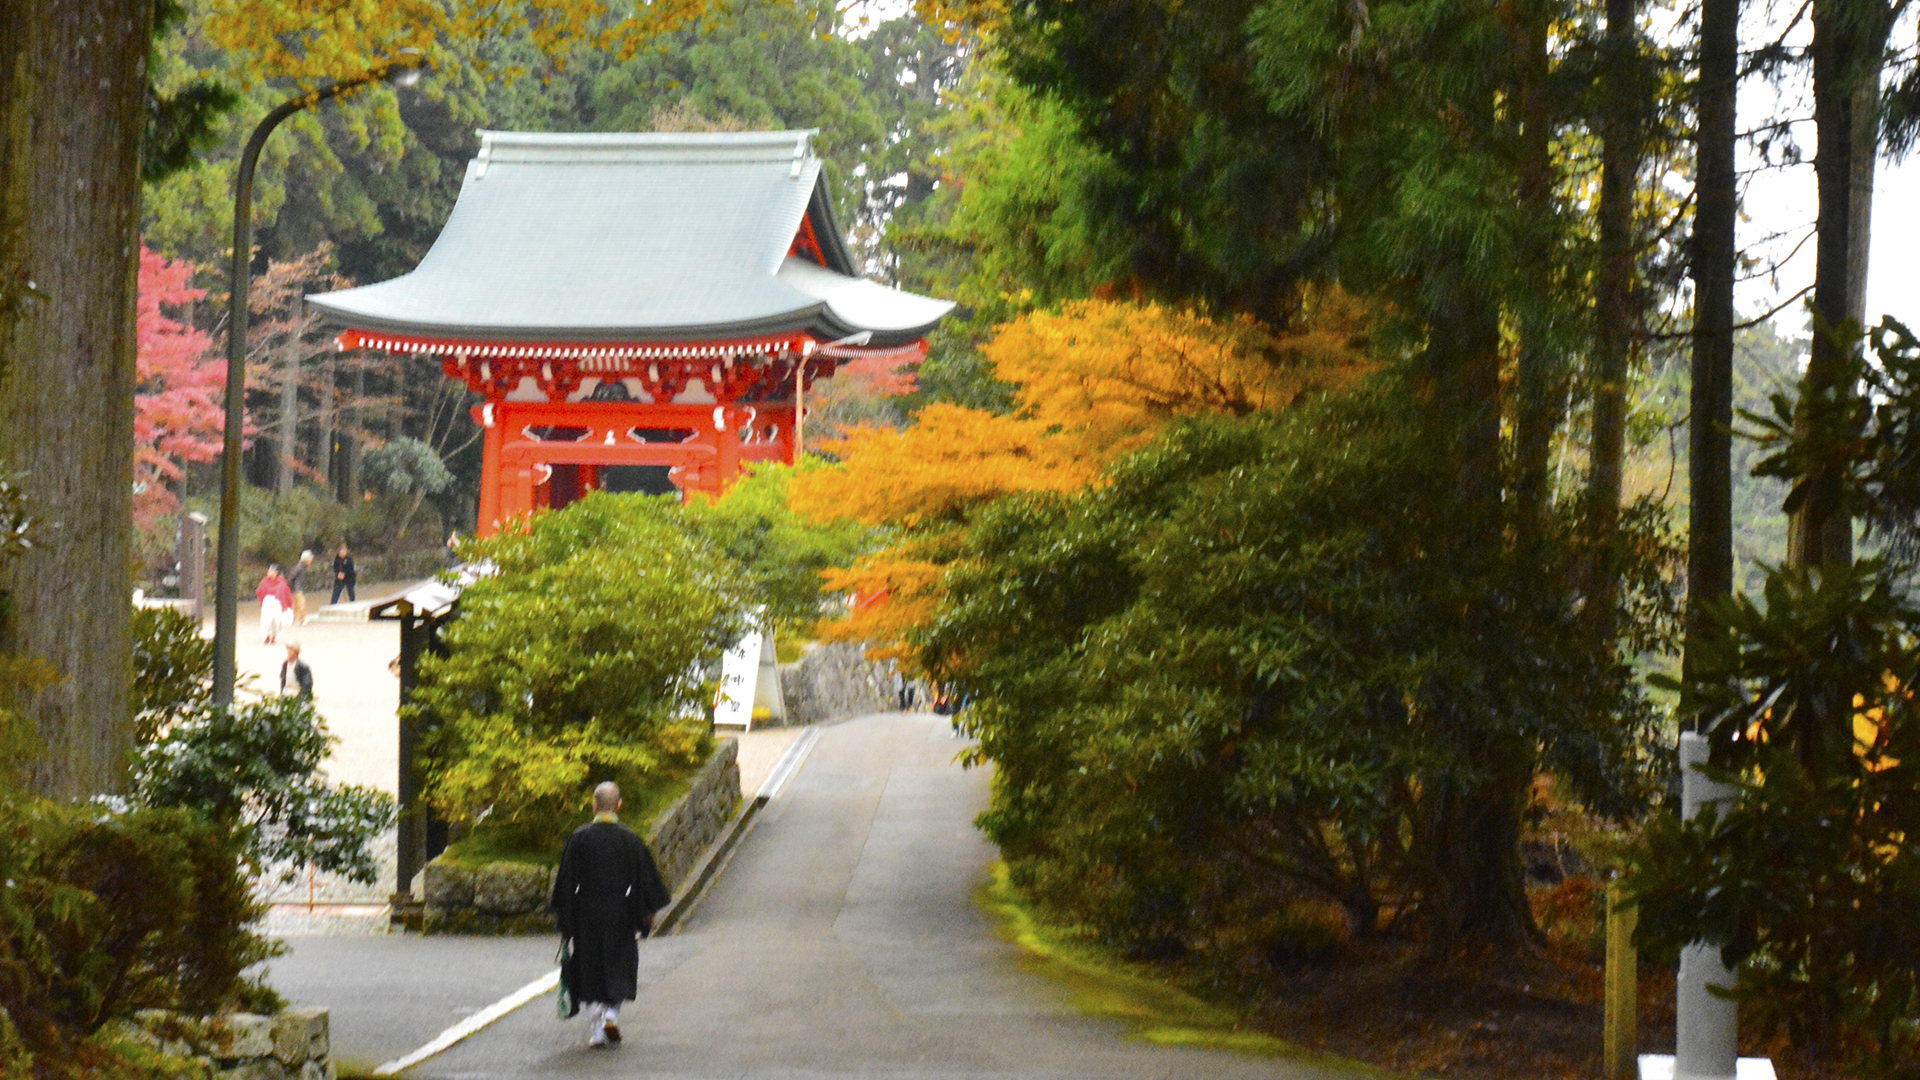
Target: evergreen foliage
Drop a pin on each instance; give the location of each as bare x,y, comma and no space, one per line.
255,770
1242,672
580,658
1809,879
780,555
105,914
172,669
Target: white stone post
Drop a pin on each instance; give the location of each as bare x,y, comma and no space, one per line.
1707,1028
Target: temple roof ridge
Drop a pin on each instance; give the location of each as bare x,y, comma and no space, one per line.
637,236
653,147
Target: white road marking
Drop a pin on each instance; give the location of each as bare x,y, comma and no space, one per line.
473,1023
788,764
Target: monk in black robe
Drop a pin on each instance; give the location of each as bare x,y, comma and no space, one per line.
607,891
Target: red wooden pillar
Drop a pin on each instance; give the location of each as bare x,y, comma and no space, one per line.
489,468
516,492
727,459
518,475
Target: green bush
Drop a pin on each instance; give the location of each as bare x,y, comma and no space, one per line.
108,913
1810,878
172,668
257,771
780,553
1256,665
580,659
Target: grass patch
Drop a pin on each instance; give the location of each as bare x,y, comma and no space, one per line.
1101,983
484,845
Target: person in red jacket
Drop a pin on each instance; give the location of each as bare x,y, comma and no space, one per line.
276,602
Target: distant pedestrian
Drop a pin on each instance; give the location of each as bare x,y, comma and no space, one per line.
297,582
607,891
276,600
344,576
295,674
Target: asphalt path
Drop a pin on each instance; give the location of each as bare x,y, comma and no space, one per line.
841,940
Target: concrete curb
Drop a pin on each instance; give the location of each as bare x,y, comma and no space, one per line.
717,856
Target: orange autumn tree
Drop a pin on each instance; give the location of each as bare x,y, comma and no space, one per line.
1093,381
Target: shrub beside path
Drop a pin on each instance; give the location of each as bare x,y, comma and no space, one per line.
358,696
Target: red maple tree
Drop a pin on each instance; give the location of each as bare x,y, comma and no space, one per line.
177,400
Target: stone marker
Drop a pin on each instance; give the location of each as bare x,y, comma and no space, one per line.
1706,1031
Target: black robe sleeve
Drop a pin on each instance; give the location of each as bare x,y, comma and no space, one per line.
647,893
565,883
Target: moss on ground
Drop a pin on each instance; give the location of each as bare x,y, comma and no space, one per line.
1099,982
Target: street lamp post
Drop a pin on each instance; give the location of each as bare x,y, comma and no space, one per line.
403,71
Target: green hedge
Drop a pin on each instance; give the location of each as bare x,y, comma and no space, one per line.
582,659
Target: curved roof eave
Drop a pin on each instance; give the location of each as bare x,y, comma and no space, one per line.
636,237
892,316
807,318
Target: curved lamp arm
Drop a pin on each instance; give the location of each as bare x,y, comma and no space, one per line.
404,70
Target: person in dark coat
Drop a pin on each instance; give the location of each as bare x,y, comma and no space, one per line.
296,678
344,575
607,891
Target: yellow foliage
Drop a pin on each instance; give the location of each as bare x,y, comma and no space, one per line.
1093,381
893,590
1114,373
315,40
1869,727
958,16
948,460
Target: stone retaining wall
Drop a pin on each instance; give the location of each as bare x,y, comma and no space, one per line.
834,682
511,898
292,1045
681,833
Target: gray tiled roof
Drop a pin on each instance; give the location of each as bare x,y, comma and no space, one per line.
635,237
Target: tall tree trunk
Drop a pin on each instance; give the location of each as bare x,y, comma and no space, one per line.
1614,315
1469,837
1866,141
1819,532
72,110
356,433
1469,832
1542,373
289,415
1709,431
396,409
323,441
1848,39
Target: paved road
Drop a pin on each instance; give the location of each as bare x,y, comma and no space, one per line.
841,941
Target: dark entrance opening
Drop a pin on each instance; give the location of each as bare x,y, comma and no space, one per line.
645,479
564,488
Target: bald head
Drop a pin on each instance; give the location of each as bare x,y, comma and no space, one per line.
606,798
